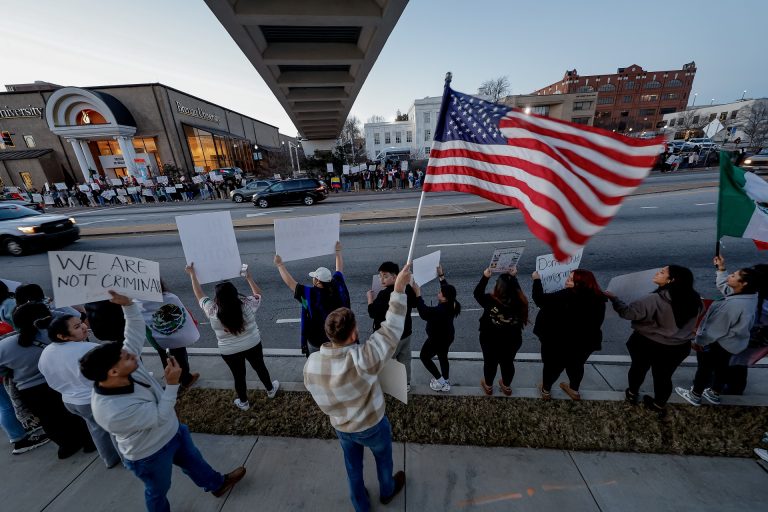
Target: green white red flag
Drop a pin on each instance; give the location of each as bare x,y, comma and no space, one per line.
742,208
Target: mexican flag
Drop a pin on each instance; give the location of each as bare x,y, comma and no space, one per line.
742,208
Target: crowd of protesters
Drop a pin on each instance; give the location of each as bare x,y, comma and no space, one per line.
382,178
74,376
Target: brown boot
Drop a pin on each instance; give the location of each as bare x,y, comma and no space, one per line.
505,389
575,395
230,479
488,390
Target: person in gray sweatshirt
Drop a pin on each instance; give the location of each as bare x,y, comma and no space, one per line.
723,332
130,404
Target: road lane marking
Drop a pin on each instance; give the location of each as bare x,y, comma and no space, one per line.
478,243
648,207
97,221
288,320
703,204
265,213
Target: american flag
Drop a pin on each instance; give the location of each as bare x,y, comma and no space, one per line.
567,179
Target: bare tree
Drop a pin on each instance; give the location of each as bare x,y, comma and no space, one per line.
690,121
495,88
350,134
376,119
400,116
755,125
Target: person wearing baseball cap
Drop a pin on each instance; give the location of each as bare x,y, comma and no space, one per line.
327,293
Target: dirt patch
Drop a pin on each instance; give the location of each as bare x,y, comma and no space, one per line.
479,421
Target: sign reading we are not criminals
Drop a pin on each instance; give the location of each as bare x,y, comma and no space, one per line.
79,277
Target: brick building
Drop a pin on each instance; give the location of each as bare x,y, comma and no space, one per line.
632,100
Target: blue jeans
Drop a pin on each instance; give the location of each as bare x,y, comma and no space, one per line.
379,440
8,420
155,470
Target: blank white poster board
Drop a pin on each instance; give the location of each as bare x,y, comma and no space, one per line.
376,284
298,238
12,285
553,273
631,287
79,277
209,241
394,381
425,268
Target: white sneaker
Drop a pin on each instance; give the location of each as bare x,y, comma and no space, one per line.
275,387
446,387
407,388
763,454
435,385
712,396
689,396
243,406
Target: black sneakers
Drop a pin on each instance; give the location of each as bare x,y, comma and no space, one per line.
399,484
29,443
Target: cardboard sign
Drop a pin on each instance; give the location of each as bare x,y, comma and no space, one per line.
425,268
276,176
394,381
208,240
216,177
631,287
170,190
122,199
554,273
162,179
504,260
299,238
60,186
117,182
79,277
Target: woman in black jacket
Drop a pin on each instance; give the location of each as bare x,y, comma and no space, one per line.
568,326
505,313
440,331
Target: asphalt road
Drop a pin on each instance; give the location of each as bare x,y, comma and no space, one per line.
649,231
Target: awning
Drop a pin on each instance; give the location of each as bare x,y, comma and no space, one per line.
24,154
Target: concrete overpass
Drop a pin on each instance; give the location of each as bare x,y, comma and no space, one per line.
313,54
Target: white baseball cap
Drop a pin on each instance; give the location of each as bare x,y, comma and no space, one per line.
322,274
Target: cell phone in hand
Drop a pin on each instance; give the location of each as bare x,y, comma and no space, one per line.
244,270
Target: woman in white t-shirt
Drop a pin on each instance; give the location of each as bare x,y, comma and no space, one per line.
233,318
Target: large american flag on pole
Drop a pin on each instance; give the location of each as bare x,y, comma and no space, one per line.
567,179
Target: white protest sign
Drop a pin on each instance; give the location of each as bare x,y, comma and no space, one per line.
13,189
298,238
394,381
148,182
38,198
49,199
376,284
60,186
208,240
139,180
122,199
329,167
179,186
506,259
404,165
170,190
162,179
345,169
197,179
95,186
132,190
216,177
554,273
277,176
12,285
147,192
117,182
631,287
84,188
79,277
109,194
425,268
121,192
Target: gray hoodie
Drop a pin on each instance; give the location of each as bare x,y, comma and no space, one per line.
728,320
652,317
21,362
141,415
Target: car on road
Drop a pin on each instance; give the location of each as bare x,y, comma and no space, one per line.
307,191
23,229
757,163
38,207
702,143
249,190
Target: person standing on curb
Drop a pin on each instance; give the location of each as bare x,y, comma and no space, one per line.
723,332
343,380
134,407
378,307
440,331
233,319
663,323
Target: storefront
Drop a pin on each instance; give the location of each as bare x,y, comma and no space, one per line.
140,130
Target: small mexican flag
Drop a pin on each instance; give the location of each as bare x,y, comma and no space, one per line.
742,208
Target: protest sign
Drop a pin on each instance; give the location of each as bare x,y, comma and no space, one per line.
60,186
394,381
179,186
38,198
109,194
553,273
12,285
425,268
84,188
79,277
14,190
148,182
132,190
208,240
139,180
147,192
122,199
329,167
345,169
197,179
216,177
170,190
376,284
276,176
631,287
49,199
506,259
404,165
199,168
162,179
95,186
298,238
120,192
117,182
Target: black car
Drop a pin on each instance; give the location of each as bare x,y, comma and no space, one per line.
302,190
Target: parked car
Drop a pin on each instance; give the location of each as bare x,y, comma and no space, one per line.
23,229
757,163
247,192
702,143
38,207
302,190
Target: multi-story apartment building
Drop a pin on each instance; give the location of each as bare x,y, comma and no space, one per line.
632,100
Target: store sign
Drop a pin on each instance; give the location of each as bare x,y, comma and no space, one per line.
117,161
13,113
196,112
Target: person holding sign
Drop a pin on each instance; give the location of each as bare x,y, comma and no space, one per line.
440,331
505,313
568,326
233,319
343,378
327,293
663,323
129,403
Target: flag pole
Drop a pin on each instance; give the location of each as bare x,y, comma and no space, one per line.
448,77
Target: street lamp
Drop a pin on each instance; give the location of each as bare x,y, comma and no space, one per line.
290,154
742,94
694,99
711,102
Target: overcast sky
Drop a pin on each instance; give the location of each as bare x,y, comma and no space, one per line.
181,44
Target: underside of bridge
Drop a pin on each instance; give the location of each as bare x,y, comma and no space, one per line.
313,54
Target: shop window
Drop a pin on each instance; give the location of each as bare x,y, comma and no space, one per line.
695,120
672,121
723,116
426,151
29,141
647,111
26,178
7,140
712,116
669,96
